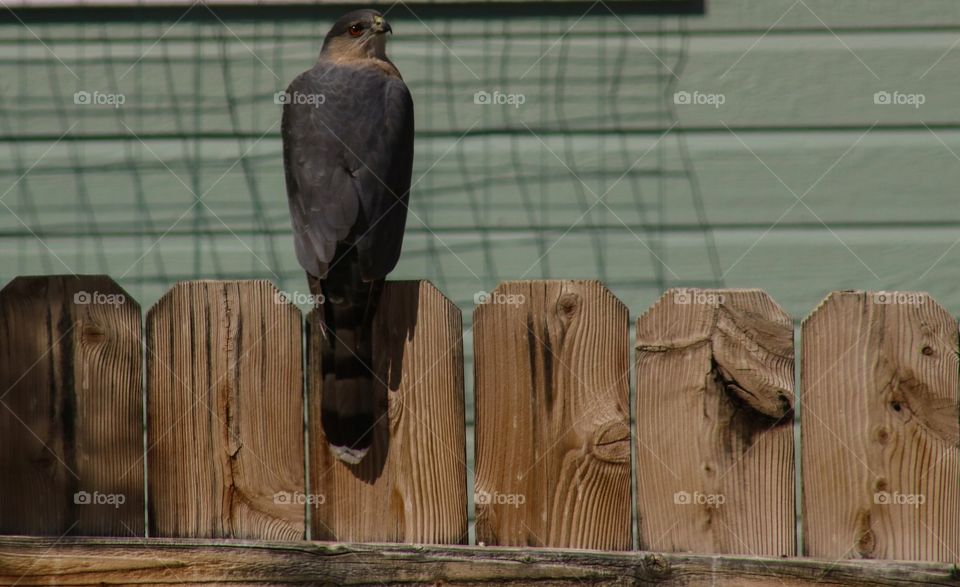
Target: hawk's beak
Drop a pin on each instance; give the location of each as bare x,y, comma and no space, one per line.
382,26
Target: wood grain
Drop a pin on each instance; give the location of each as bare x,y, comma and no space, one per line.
411,486
71,401
75,561
225,412
552,425
715,461
880,428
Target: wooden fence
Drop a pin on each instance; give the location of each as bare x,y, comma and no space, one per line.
218,439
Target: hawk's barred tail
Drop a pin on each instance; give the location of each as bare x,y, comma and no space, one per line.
348,403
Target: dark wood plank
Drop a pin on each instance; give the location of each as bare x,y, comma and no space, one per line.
552,424
715,455
71,425
880,428
75,561
411,486
225,412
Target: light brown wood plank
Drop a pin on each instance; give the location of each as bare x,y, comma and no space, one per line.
411,486
552,424
715,461
225,412
71,425
880,428
73,561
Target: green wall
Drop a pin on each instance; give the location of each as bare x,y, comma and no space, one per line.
499,187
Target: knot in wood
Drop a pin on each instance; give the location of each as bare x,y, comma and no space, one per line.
866,540
93,333
568,304
656,565
880,485
611,442
881,435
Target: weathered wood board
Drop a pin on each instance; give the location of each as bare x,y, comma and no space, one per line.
552,425
225,413
715,455
881,427
411,486
73,561
71,401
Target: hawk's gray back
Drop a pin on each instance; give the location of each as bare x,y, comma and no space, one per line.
348,154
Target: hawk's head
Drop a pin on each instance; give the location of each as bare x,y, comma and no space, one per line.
357,35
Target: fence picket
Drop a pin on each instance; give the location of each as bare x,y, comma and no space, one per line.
715,464
225,412
880,428
71,425
552,423
411,486
715,393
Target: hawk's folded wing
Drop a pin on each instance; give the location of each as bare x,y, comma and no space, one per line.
347,154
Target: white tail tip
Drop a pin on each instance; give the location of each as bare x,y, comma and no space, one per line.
349,455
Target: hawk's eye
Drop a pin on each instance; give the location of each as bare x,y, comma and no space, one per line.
356,30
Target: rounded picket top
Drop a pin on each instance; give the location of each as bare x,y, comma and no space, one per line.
70,345
572,292
251,290
79,290
711,302
427,292
749,334
715,389
879,301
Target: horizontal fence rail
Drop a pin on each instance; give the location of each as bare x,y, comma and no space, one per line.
46,561
224,422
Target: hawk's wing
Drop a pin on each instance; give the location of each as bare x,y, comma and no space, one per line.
348,162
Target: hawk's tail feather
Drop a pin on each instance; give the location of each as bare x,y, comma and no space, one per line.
348,402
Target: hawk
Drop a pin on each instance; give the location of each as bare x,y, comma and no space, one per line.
348,156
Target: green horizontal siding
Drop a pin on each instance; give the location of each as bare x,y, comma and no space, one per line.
598,95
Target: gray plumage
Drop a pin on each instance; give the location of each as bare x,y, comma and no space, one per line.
348,155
